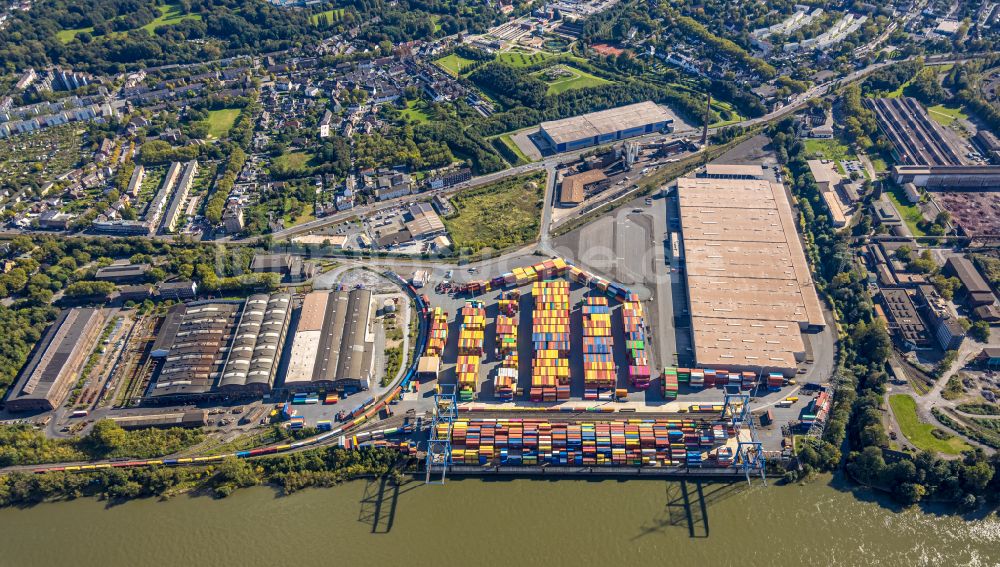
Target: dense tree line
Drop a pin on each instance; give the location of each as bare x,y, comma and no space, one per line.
292,472
857,414
221,28
25,445
510,85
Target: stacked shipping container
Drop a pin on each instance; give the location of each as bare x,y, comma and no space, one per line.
438,335
635,343
517,442
506,378
470,348
669,383
599,372
467,375
550,338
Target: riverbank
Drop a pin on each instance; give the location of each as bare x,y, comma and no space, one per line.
490,522
321,467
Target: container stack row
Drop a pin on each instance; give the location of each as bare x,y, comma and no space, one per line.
670,383
635,343
470,348
438,336
517,442
711,378
550,339
541,271
467,375
599,372
505,381
471,333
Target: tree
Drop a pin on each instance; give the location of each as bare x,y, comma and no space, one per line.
980,331
105,437
869,465
908,493
873,341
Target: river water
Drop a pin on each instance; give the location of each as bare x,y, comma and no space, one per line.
474,523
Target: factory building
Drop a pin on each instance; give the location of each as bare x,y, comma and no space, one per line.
333,345
732,171
573,189
975,291
916,139
904,321
190,342
974,177
193,418
750,291
606,126
252,360
54,367
123,273
221,347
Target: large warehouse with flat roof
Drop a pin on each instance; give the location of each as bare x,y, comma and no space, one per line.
750,290
333,346
55,365
607,126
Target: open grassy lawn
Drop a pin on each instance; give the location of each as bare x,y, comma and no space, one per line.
293,160
722,107
518,59
562,78
304,215
415,111
879,164
501,215
221,121
911,213
827,149
904,407
169,15
66,36
333,16
454,63
946,115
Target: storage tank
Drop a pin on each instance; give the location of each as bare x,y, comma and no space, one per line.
389,306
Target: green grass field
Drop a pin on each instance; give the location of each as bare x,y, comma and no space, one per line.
911,213
734,115
221,121
334,15
454,63
577,79
518,59
827,149
66,36
416,111
904,407
946,115
501,215
294,159
169,15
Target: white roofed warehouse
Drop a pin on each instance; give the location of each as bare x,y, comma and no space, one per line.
607,126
